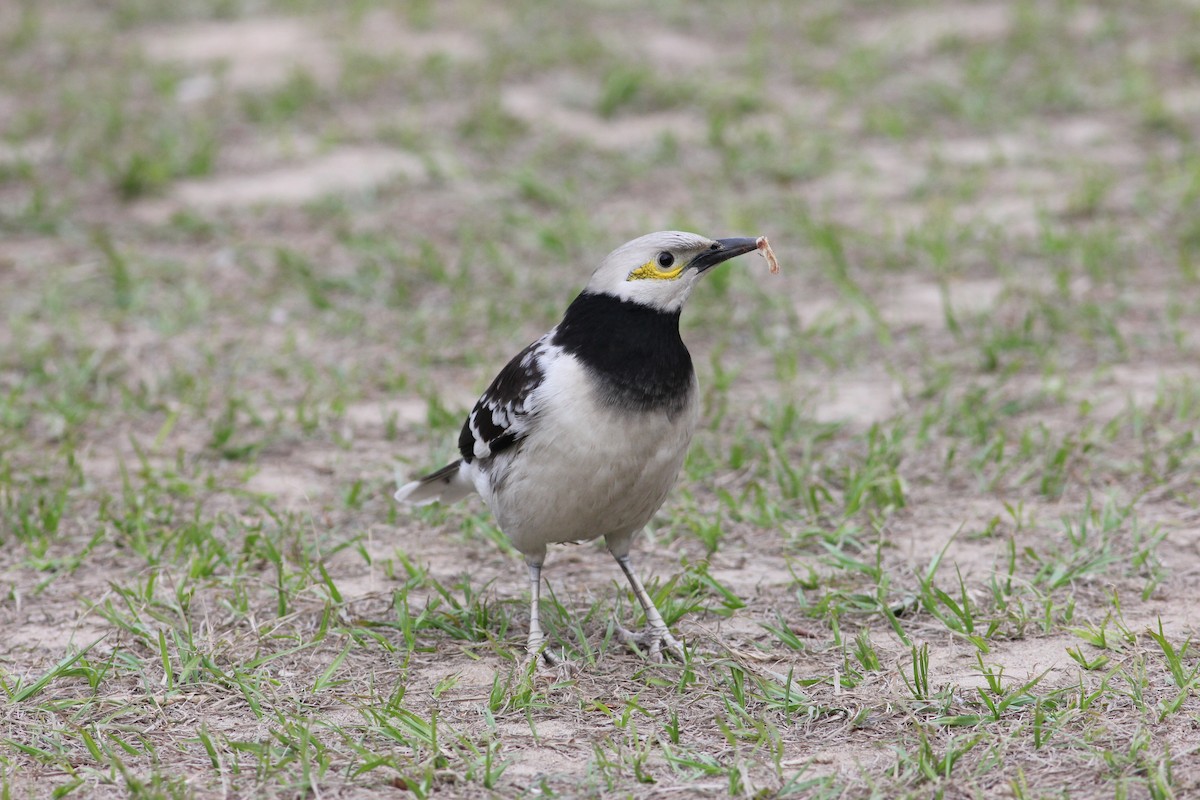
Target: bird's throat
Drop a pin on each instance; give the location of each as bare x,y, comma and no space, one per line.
633,352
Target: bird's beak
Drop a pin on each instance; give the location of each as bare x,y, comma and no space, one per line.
724,250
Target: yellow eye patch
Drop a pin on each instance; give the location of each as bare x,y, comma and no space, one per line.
654,272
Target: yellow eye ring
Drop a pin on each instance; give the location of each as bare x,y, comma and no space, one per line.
657,270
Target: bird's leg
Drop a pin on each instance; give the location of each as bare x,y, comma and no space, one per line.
537,638
656,635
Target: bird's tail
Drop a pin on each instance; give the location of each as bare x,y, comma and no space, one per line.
448,484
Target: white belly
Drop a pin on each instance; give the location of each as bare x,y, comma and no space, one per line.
587,470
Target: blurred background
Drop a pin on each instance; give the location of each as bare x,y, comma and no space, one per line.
255,256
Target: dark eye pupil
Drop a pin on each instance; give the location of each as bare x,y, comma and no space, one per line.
665,259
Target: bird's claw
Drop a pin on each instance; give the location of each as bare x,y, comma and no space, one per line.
542,657
546,664
652,641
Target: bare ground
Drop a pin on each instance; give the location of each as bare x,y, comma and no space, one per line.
339,226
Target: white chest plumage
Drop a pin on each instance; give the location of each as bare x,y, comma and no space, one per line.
589,469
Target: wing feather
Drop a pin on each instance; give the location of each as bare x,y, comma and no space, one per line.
504,413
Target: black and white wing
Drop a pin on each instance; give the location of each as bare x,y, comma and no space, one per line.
505,413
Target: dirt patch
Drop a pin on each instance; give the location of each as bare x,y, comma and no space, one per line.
858,399
383,32
374,415
541,106
1021,660
349,169
252,53
935,305
287,484
919,31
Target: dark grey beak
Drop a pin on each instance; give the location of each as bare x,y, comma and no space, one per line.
723,250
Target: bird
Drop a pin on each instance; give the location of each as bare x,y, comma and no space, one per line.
584,432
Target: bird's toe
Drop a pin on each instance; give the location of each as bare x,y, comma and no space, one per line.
674,647
652,642
543,658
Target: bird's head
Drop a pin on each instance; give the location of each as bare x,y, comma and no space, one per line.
659,269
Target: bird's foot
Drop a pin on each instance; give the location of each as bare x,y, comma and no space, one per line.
542,657
545,664
652,641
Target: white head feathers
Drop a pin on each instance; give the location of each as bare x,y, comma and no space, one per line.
660,269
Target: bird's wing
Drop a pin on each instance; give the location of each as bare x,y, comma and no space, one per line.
505,413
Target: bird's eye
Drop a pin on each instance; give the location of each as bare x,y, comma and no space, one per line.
715,246
665,259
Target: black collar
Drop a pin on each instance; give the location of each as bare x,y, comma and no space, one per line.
633,352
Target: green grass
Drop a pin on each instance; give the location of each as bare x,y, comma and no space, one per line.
933,538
